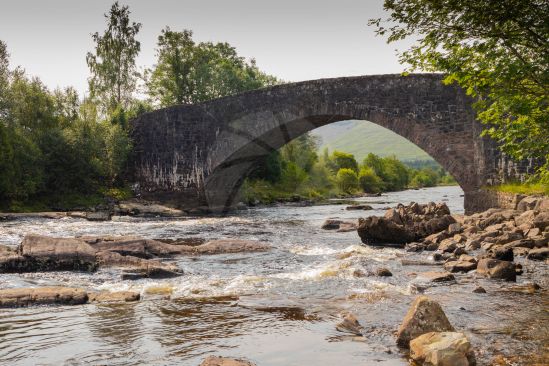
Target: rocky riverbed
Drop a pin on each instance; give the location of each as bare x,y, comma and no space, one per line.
268,286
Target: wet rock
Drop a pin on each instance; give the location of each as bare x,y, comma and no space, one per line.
146,208
454,228
497,269
501,253
447,245
223,361
479,290
18,297
542,220
442,349
359,207
98,216
118,296
526,217
383,272
350,324
405,224
42,253
459,251
230,246
145,268
334,224
424,315
433,276
346,227
437,237
528,203
538,254
464,264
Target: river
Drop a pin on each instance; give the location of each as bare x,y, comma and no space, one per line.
274,308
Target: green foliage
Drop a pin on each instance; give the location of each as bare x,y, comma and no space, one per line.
347,180
341,160
112,66
534,187
54,146
498,51
369,181
301,151
190,72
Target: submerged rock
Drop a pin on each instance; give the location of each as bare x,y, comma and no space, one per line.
350,324
18,297
383,272
424,315
335,224
359,207
223,361
434,276
442,349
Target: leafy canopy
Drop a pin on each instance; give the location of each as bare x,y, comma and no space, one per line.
112,66
190,72
498,51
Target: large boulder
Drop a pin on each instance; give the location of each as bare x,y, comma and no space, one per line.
405,224
46,253
223,361
495,268
442,349
18,297
425,315
542,220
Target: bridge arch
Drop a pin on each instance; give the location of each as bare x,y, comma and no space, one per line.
200,154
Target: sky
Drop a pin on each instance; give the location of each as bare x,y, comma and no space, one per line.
292,40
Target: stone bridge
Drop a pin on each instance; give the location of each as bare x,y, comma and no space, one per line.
191,155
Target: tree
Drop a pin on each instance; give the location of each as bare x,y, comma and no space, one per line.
4,81
498,51
113,68
347,180
301,151
190,72
369,181
341,160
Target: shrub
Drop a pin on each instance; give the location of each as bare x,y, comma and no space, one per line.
347,180
369,181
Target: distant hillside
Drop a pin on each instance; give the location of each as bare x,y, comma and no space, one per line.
361,138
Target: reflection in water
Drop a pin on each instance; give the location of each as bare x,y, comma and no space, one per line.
275,308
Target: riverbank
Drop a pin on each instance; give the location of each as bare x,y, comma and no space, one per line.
279,306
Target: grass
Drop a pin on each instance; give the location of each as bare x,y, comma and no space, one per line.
66,202
523,188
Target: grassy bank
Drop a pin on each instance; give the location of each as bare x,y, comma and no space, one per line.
523,188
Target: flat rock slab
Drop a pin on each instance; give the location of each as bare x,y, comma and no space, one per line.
222,246
19,297
223,361
118,296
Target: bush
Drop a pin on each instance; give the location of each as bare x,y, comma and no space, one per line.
347,180
340,160
369,181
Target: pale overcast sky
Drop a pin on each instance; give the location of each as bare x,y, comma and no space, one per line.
293,40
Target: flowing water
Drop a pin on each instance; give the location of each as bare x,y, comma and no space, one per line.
274,308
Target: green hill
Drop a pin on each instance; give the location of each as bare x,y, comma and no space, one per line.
362,137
